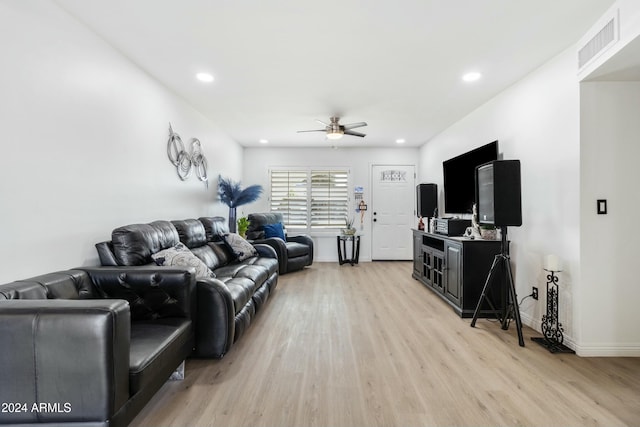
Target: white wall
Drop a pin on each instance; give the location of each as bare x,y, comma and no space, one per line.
84,135
537,122
258,161
610,291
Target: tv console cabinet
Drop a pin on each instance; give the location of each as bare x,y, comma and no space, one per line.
456,269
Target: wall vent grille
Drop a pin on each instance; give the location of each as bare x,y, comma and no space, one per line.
598,43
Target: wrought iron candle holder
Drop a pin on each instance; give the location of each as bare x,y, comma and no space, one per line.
551,328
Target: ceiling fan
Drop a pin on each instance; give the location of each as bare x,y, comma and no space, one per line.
335,130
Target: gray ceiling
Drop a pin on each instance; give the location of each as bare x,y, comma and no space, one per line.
281,64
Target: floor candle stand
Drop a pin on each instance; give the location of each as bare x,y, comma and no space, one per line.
551,328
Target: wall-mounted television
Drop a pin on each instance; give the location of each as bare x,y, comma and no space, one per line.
459,178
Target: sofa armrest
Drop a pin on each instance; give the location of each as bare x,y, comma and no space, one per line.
105,253
64,360
152,291
215,325
305,240
265,251
279,246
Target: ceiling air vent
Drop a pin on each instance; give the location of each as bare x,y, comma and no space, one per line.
598,43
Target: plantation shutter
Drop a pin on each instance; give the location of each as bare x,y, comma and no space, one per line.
311,199
289,196
329,198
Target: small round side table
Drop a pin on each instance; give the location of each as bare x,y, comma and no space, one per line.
342,240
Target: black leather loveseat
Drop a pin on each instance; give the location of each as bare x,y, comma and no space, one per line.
226,303
91,346
294,252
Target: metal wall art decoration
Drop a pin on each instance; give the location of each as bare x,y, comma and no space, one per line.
185,161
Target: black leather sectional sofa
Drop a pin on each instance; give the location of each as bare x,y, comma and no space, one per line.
90,346
226,304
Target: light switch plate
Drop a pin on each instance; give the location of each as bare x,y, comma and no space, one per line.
602,206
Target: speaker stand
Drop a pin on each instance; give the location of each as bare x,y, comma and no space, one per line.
502,266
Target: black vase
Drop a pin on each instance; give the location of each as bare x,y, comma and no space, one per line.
232,220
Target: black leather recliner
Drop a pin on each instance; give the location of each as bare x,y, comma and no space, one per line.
91,346
294,253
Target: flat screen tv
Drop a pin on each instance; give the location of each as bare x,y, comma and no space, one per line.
459,178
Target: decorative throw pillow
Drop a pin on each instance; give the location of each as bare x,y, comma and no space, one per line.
274,230
239,246
181,256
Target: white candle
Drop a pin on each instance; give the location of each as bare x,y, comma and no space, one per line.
552,263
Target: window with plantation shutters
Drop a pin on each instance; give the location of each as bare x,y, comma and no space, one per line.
312,199
329,198
289,190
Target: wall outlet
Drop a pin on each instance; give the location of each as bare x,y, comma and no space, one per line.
534,292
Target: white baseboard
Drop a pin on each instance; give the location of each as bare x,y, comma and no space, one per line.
608,350
323,259
592,349
530,321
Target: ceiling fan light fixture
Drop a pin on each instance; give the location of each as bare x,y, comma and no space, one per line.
335,130
335,134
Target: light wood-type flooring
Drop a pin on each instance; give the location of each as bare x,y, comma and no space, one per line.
370,346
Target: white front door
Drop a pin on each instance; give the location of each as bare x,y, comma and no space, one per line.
392,211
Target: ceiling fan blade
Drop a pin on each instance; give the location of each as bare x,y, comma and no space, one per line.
353,133
314,130
355,125
322,123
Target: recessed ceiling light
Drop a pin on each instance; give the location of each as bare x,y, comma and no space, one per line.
264,141
204,77
471,77
400,141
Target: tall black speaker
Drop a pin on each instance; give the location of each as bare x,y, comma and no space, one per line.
427,198
498,195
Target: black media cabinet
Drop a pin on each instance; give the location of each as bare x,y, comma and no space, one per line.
456,268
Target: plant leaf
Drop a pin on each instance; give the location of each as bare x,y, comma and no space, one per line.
232,195
248,195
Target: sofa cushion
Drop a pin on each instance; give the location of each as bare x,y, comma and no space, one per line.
209,256
215,227
269,264
191,232
223,252
180,256
274,230
256,273
239,246
244,278
241,290
166,232
134,244
155,348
